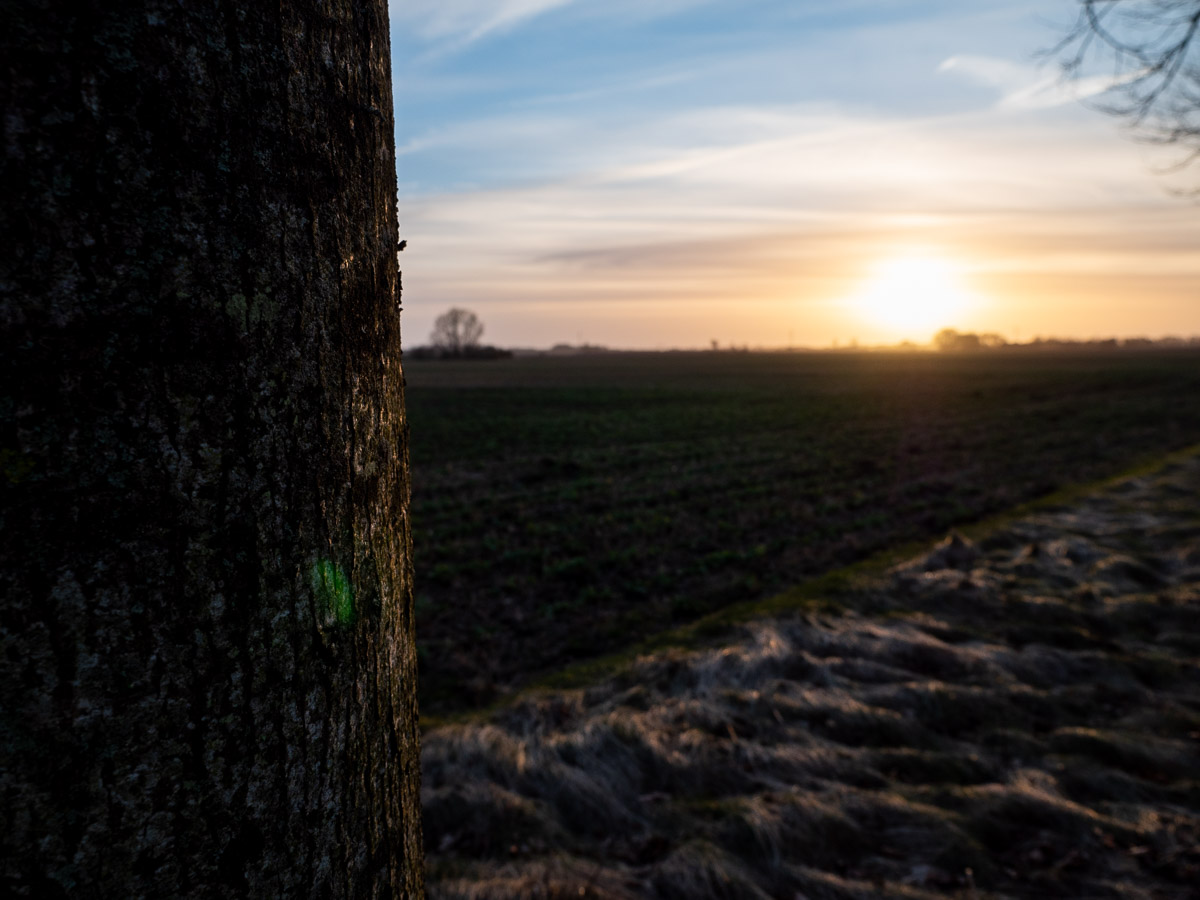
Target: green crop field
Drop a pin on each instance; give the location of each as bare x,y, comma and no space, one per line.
569,506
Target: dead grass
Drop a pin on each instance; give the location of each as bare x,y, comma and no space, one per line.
1013,717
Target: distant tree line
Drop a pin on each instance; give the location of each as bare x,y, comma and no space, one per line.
953,341
482,351
576,349
949,340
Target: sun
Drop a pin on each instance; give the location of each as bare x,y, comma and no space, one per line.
913,295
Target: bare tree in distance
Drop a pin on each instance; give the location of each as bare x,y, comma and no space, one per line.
456,331
950,341
1152,48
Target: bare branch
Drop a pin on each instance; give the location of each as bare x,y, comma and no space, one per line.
1152,46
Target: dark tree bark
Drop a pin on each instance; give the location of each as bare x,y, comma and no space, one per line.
207,669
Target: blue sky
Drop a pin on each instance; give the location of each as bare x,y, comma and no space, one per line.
661,174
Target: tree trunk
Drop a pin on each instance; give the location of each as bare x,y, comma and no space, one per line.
206,635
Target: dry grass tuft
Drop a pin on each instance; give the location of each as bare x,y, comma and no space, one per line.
554,878
1023,721
698,870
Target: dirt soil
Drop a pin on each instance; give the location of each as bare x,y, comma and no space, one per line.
1017,716
562,507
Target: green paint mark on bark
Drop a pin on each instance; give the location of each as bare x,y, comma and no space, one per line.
262,310
334,591
236,307
15,465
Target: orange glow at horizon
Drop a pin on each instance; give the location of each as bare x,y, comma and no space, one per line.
913,294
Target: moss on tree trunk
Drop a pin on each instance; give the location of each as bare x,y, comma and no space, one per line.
206,638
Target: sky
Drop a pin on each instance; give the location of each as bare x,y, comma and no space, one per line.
652,174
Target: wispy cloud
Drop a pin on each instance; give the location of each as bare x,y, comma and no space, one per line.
779,212
620,161
457,23
1025,87
638,86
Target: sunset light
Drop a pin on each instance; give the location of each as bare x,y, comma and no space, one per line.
727,175
913,295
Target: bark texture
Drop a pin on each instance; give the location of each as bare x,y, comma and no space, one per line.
206,633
